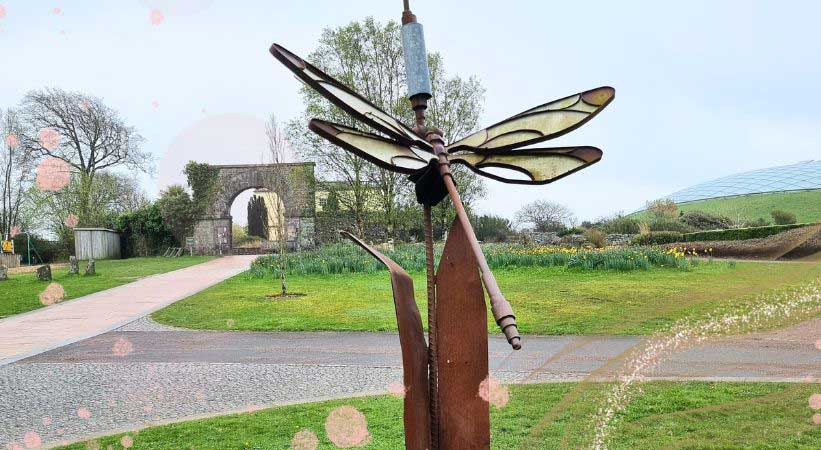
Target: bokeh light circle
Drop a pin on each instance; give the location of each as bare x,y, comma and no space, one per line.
53,174
305,440
494,392
53,293
48,138
347,427
12,141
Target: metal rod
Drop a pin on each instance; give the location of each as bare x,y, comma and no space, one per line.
407,5
433,379
500,307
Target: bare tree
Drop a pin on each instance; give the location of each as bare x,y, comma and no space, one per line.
85,133
288,185
545,215
16,172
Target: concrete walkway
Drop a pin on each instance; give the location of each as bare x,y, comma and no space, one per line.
167,374
48,328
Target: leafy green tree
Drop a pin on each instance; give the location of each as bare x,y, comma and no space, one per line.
178,210
367,56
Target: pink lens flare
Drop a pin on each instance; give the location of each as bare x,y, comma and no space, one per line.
46,421
397,389
494,392
85,105
347,427
15,230
122,347
57,10
32,440
53,293
2,11
126,441
305,440
13,446
818,344
155,104
156,17
53,174
49,138
178,7
71,221
84,413
816,419
12,141
815,401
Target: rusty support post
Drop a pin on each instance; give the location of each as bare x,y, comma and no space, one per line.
432,372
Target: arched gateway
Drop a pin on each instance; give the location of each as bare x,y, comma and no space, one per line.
212,233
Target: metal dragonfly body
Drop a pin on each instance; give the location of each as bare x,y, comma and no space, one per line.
426,158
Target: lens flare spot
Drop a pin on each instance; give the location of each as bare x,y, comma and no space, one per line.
2,12
122,347
494,392
815,401
15,230
83,413
32,440
71,221
127,441
155,104
46,421
816,419
53,293
156,17
57,10
305,440
14,446
818,344
397,389
53,174
347,427
48,138
12,141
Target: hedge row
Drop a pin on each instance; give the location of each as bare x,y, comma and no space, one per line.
739,234
657,238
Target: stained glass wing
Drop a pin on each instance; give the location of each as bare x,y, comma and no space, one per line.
529,166
351,102
540,123
385,153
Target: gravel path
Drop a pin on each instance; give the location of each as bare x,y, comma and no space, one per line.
145,373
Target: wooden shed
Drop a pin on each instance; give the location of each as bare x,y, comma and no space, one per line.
96,243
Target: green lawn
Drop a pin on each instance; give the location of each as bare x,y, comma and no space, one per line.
694,415
806,205
20,292
552,300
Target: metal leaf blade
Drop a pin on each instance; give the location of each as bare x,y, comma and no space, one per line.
383,152
351,102
540,123
537,165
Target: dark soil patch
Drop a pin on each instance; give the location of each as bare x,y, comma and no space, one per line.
288,296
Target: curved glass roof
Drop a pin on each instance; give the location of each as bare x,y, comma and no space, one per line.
800,176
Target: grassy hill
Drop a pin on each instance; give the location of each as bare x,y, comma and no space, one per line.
806,205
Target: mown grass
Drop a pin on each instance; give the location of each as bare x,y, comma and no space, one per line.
20,293
695,415
806,205
547,300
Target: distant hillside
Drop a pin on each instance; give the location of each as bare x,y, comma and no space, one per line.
806,205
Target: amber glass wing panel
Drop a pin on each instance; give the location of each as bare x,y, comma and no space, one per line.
538,165
385,153
345,98
540,123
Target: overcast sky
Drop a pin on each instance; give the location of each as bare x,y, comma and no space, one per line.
703,88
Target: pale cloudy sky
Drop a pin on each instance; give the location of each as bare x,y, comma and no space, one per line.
704,88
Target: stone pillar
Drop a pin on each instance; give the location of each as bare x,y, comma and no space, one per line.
91,267
73,265
4,273
44,273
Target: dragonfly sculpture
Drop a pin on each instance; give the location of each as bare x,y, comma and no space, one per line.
442,409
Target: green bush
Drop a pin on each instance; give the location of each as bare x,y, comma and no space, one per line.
666,224
759,222
347,258
43,251
572,230
781,217
620,225
492,228
657,238
738,234
701,220
595,237
143,232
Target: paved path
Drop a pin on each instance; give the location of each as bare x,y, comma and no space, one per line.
172,374
71,321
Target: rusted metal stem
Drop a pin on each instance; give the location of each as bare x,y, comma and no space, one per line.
500,307
432,372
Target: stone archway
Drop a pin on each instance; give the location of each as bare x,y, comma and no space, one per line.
212,233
